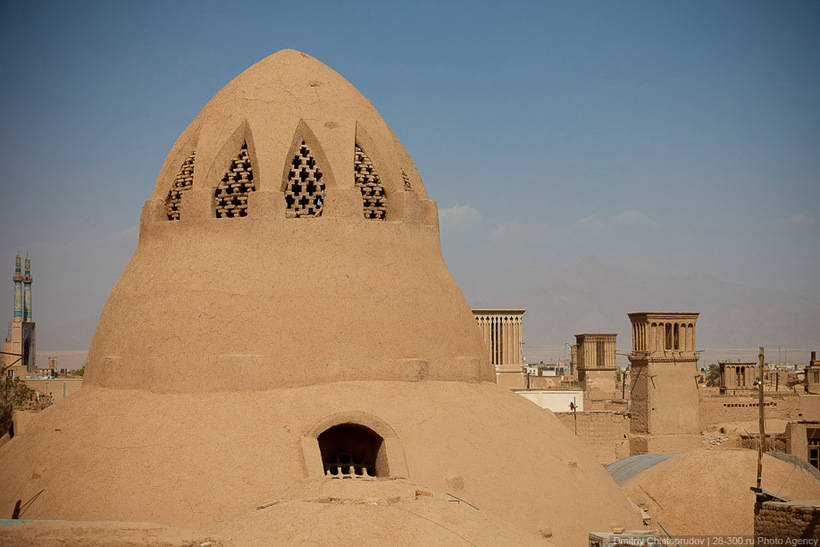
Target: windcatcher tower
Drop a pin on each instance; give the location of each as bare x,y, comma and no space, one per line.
287,319
595,361
22,340
664,394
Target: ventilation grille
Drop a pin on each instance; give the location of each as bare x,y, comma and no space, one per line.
345,466
368,181
305,191
231,195
182,182
406,179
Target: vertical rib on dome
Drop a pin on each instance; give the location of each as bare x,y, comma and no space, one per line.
231,195
368,182
304,189
182,182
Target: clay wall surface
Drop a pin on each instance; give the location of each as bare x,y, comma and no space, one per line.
639,399
58,388
663,444
545,382
672,398
18,371
716,410
600,384
793,520
774,443
23,419
798,436
511,378
612,405
604,433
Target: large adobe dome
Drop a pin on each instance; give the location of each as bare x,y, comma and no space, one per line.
267,337
289,241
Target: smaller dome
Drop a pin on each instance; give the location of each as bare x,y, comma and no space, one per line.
706,491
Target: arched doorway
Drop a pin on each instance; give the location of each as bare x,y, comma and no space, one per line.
352,450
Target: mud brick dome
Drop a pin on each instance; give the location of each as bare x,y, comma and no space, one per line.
287,321
289,241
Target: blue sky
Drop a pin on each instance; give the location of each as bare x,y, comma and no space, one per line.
680,134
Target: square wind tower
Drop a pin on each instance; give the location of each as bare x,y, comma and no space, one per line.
595,362
664,396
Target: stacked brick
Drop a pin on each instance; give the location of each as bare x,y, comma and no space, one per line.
788,521
231,195
182,182
367,180
304,190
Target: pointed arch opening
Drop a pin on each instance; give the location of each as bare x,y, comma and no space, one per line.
304,185
408,186
183,182
367,180
231,194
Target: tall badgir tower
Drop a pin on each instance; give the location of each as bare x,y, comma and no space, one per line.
287,329
19,347
664,408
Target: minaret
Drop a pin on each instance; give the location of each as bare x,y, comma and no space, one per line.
27,311
18,291
22,341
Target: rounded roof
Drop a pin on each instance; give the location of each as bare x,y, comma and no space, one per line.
706,491
149,457
289,241
377,512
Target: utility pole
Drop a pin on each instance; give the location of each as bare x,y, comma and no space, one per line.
762,426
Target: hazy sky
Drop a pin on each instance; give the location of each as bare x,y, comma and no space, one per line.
682,134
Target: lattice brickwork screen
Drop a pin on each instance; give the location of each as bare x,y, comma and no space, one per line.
182,182
406,179
304,191
368,181
231,194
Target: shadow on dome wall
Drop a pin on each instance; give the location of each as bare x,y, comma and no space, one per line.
352,450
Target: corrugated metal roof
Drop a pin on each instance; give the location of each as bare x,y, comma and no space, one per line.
625,469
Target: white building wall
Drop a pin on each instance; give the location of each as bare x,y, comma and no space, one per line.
556,401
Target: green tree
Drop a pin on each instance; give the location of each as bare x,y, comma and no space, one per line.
13,394
79,371
713,376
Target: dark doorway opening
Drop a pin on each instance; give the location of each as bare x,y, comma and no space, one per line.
27,354
352,450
